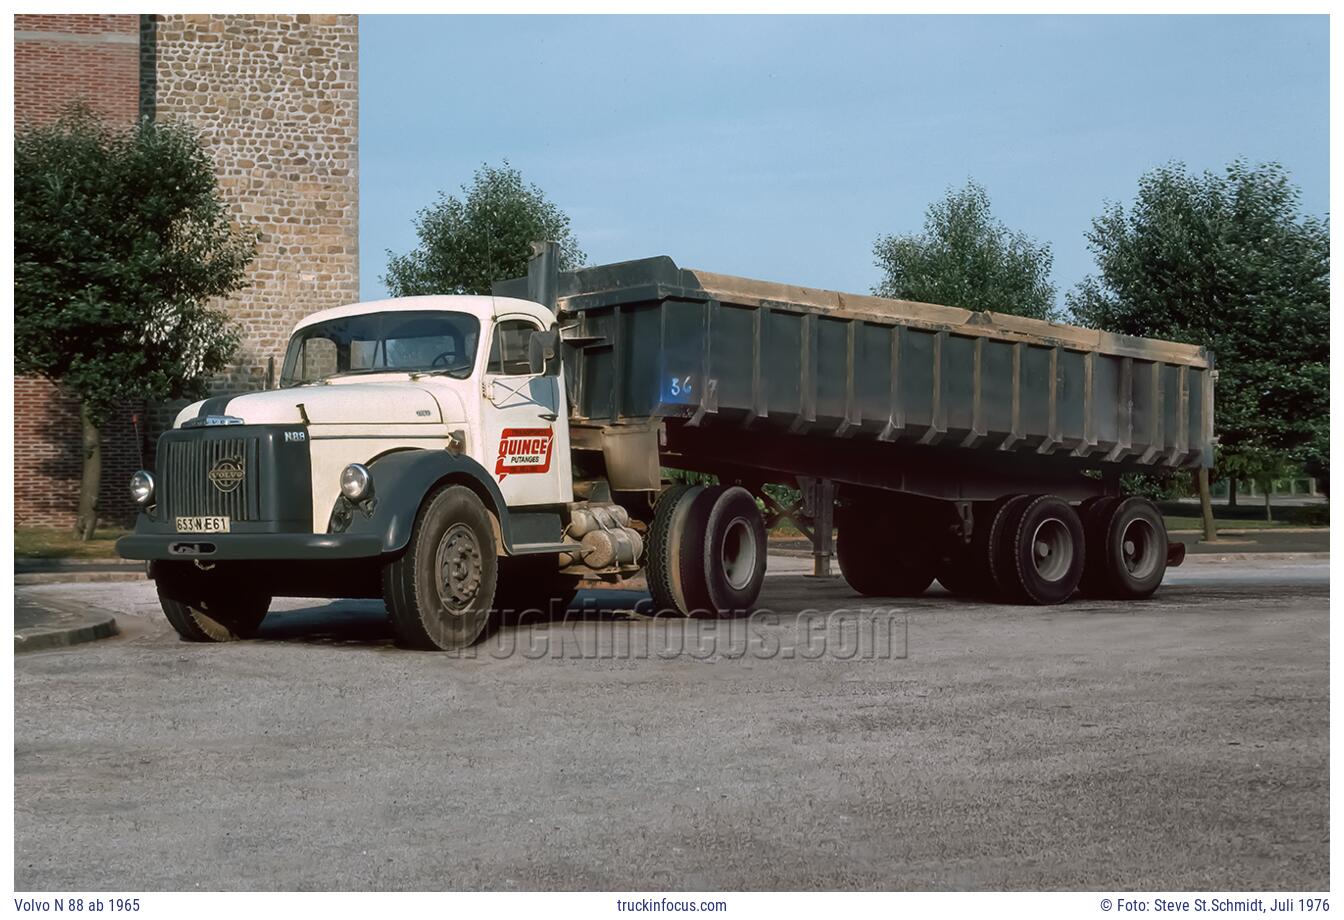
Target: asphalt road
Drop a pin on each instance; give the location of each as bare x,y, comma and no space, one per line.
1180,743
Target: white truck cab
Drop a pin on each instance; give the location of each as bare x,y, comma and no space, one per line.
437,373
325,485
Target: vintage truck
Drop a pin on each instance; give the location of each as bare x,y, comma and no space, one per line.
459,456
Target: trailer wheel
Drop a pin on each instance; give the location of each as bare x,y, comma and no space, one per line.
991,554
882,556
439,591
1096,514
733,552
1043,551
1131,541
663,548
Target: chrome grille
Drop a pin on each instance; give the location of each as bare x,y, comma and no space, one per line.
190,490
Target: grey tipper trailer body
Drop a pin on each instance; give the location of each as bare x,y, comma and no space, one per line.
732,365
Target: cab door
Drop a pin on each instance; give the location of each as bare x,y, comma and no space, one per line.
524,420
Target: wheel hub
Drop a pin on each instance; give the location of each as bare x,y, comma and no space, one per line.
458,563
1138,546
1052,549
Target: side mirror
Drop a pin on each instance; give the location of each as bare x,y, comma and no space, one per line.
543,352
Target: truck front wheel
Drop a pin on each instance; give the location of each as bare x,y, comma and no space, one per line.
439,591
203,605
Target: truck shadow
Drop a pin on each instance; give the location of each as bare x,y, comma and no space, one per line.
365,622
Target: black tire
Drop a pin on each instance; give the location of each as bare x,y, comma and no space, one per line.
957,574
530,585
1096,514
1043,551
991,554
1132,545
882,554
209,606
732,553
663,547
439,591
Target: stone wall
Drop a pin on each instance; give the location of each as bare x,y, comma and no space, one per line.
277,100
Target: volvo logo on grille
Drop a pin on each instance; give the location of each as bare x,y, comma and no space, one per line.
227,474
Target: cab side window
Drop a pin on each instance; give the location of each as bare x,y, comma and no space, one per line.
508,348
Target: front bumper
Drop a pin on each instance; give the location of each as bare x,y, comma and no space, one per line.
250,546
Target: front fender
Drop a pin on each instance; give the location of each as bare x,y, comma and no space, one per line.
401,480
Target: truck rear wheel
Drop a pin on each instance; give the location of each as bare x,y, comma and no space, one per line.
881,555
733,551
439,591
205,607
1041,553
663,549
707,550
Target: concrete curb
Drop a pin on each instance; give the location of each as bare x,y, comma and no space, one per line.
68,577
99,625
1250,531
1255,557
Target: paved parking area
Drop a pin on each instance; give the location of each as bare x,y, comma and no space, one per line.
1180,743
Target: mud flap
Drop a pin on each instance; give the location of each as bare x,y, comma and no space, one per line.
1175,554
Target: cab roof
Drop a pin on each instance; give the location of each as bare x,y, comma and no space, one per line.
483,307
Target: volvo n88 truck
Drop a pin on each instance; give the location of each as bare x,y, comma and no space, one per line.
460,456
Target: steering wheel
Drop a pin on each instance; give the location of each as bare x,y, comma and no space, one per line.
442,356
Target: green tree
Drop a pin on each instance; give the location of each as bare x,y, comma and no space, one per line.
1227,260
967,258
468,243
120,242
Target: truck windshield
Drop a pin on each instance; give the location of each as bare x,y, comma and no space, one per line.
396,340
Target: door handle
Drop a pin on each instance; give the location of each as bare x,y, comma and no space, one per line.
549,416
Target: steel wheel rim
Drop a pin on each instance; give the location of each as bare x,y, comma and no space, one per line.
1052,549
738,554
457,565
1138,548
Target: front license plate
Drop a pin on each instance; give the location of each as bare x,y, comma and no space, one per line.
202,525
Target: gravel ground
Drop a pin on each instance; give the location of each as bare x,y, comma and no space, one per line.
1180,743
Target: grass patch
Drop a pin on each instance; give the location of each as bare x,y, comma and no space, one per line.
1180,522
53,543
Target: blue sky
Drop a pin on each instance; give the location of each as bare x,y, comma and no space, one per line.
782,147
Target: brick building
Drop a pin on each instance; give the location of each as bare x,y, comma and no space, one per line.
276,100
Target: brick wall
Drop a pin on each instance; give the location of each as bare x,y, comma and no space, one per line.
57,60
48,461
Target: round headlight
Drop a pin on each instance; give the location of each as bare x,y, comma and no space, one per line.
356,482
142,487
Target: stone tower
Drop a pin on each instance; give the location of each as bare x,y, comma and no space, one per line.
277,101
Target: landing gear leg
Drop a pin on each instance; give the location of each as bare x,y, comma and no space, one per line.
819,504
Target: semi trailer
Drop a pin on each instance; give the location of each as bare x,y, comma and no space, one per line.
463,456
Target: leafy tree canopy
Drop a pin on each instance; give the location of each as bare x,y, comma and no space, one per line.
967,258
120,242
468,243
1228,261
